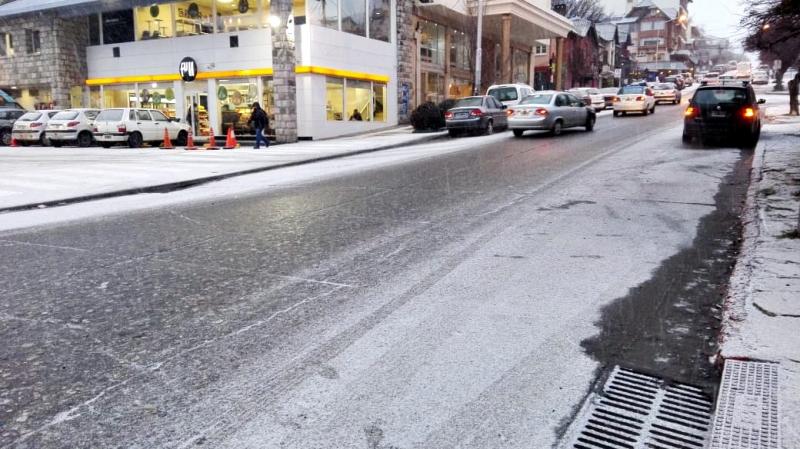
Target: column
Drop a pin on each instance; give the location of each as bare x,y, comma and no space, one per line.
447,42
284,77
505,50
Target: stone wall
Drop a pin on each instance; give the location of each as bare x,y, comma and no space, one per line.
406,52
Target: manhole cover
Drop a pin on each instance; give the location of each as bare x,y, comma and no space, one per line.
637,411
747,407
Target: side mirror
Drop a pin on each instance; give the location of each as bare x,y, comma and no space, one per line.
761,101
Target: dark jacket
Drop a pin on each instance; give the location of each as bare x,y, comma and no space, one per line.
259,119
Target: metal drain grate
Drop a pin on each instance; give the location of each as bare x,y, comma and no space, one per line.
637,411
747,407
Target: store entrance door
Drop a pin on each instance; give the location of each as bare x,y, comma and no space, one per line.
197,112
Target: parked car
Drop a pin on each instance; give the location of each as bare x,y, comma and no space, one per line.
667,93
633,98
7,118
609,93
676,80
760,77
591,96
72,126
30,127
552,111
728,111
136,127
476,114
509,94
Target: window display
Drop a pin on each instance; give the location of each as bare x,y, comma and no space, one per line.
235,99
237,15
359,100
334,98
119,96
161,97
193,18
154,22
431,47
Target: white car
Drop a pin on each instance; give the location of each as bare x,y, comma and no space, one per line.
509,94
30,127
711,79
760,77
136,127
634,98
72,126
591,96
667,93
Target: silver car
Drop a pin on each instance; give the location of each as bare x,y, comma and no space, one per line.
72,126
551,111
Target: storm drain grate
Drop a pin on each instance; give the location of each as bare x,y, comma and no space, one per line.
638,411
747,407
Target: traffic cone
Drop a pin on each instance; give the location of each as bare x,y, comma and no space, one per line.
230,141
212,144
167,144
190,141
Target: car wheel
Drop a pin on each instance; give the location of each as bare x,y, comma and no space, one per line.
557,128
5,138
686,138
135,140
43,140
452,132
85,139
518,132
183,137
489,128
653,109
590,123
105,144
616,113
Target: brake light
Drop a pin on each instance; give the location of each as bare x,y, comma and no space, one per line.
122,129
73,124
35,125
476,113
509,112
749,113
690,111
448,114
640,98
541,111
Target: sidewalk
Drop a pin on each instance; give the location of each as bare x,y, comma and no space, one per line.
32,177
762,312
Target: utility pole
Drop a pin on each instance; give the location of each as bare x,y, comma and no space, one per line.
479,50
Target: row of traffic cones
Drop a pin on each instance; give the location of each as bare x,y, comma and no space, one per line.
230,141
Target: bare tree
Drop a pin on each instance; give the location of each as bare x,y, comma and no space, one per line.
587,9
773,31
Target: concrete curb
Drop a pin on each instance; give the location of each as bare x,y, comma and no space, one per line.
180,185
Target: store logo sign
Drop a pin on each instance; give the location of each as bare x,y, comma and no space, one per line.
188,69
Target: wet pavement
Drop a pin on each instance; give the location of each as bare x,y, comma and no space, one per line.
433,303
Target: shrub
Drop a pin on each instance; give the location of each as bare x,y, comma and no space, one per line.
427,116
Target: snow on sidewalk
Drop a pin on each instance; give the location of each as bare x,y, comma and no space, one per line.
33,175
762,317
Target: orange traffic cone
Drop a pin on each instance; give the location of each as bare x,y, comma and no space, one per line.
212,144
230,142
167,144
190,141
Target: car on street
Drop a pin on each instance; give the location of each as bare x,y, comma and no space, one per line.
72,126
667,93
726,111
30,127
135,127
688,79
509,94
480,114
7,118
676,80
760,77
609,93
710,78
591,96
551,111
634,98
789,74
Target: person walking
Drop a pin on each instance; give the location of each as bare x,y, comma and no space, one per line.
260,121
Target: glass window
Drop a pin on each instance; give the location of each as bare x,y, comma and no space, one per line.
431,46
118,27
159,117
324,13
6,44
234,103
354,17
380,19
95,100
334,98
237,15
119,96
358,100
268,96
469,102
94,29
432,87
193,18
459,50
30,117
521,64
379,102
110,115
537,99
503,93
33,43
91,115
154,22
459,88
143,115
158,96
66,115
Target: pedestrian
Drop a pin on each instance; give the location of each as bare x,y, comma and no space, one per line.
356,116
260,121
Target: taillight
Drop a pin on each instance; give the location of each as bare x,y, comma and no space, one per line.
615,100
540,111
122,129
94,129
640,98
691,111
448,114
476,113
748,113
509,112
35,125
73,124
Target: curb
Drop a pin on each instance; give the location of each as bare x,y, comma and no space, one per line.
185,184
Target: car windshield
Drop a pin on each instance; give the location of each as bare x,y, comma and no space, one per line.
664,87
504,93
469,102
632,90
66,115
110,115
716,96
30,117
537,99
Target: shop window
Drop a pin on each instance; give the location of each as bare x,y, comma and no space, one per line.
268,96
154,22
432,87
324,13
6,45
118,27
334,98
354,17
234,102
76,97
459,88
94,29
33,41
521,66
95,100
358,96
237,15
194,18
380,17
431,47
459,50
119,96
379,102
158,96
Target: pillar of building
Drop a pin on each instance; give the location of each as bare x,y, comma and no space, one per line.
559,63
505,49
284,77
406,60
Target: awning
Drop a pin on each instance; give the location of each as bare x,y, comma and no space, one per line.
69,8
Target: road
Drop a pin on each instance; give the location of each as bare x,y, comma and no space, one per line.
463,299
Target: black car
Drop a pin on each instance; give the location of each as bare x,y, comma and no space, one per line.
724,111
476,114
7,118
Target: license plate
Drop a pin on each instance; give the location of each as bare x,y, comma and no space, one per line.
718,114
461,115
106,136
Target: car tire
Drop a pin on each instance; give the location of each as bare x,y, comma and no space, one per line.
105,144
183,137
135,140
686,138
590,123
616,113
653,109
489,130
645,111
557,128
453,132
5,138
43,140
85,139
518,132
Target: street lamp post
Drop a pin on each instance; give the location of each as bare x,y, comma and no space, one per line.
479,50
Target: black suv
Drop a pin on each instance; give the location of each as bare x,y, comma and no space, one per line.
7,118
729,110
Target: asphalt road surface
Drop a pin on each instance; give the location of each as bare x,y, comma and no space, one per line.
465,299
